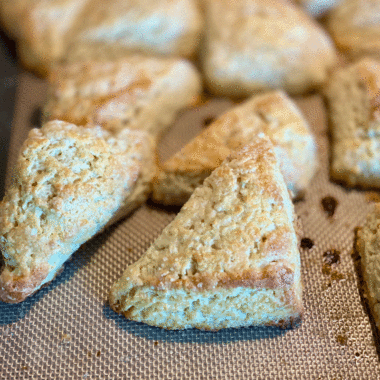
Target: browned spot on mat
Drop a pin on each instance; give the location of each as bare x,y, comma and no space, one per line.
329,205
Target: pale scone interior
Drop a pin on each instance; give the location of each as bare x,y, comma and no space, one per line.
228,259
273,113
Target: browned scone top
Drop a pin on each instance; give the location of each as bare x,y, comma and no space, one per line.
229,258
136,92
257,45
273,113
68,183
354,113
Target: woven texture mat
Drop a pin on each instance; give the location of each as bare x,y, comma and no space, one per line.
67,330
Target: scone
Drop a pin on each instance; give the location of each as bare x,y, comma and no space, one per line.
355,27
272,113
256,45
43,30
11,12
318,8
136,92
229,258
68,183
354,106
368,247
165,27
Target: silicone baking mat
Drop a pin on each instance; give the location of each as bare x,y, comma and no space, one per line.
67,330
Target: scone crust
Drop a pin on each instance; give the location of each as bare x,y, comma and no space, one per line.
272,113
221,243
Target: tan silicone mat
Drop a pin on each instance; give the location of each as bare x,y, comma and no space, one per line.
67,331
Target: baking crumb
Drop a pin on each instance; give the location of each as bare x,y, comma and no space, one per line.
98,354
66,337
156,343
329,205
342,339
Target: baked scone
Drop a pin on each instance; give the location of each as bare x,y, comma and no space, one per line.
229,258
318,8
135,92
43,28
354,112
272,113
368,247
355,27
11,12
68,183
167,27
256,45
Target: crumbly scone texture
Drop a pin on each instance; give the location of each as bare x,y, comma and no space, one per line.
256,45
68,183
318,8
273,113
368,247
165,27
354,113
136,92
355,27
229,258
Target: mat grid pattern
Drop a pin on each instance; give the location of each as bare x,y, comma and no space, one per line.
67,330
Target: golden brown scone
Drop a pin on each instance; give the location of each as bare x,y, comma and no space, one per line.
136,92
272,113
368,247
68,183
318,8
354,112
45,29
256,45
167,27
229,258
355,27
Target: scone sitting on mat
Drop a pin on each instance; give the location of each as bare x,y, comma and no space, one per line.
229,258
272,113
256,45
68,183
355,27
136,92
318,8
368,247
354,112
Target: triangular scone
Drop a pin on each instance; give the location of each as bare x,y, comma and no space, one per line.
355,27
136,92
272,113
256,45
120,27
354,112
229,258
68,183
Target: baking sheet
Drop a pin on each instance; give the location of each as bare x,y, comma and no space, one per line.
67,330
